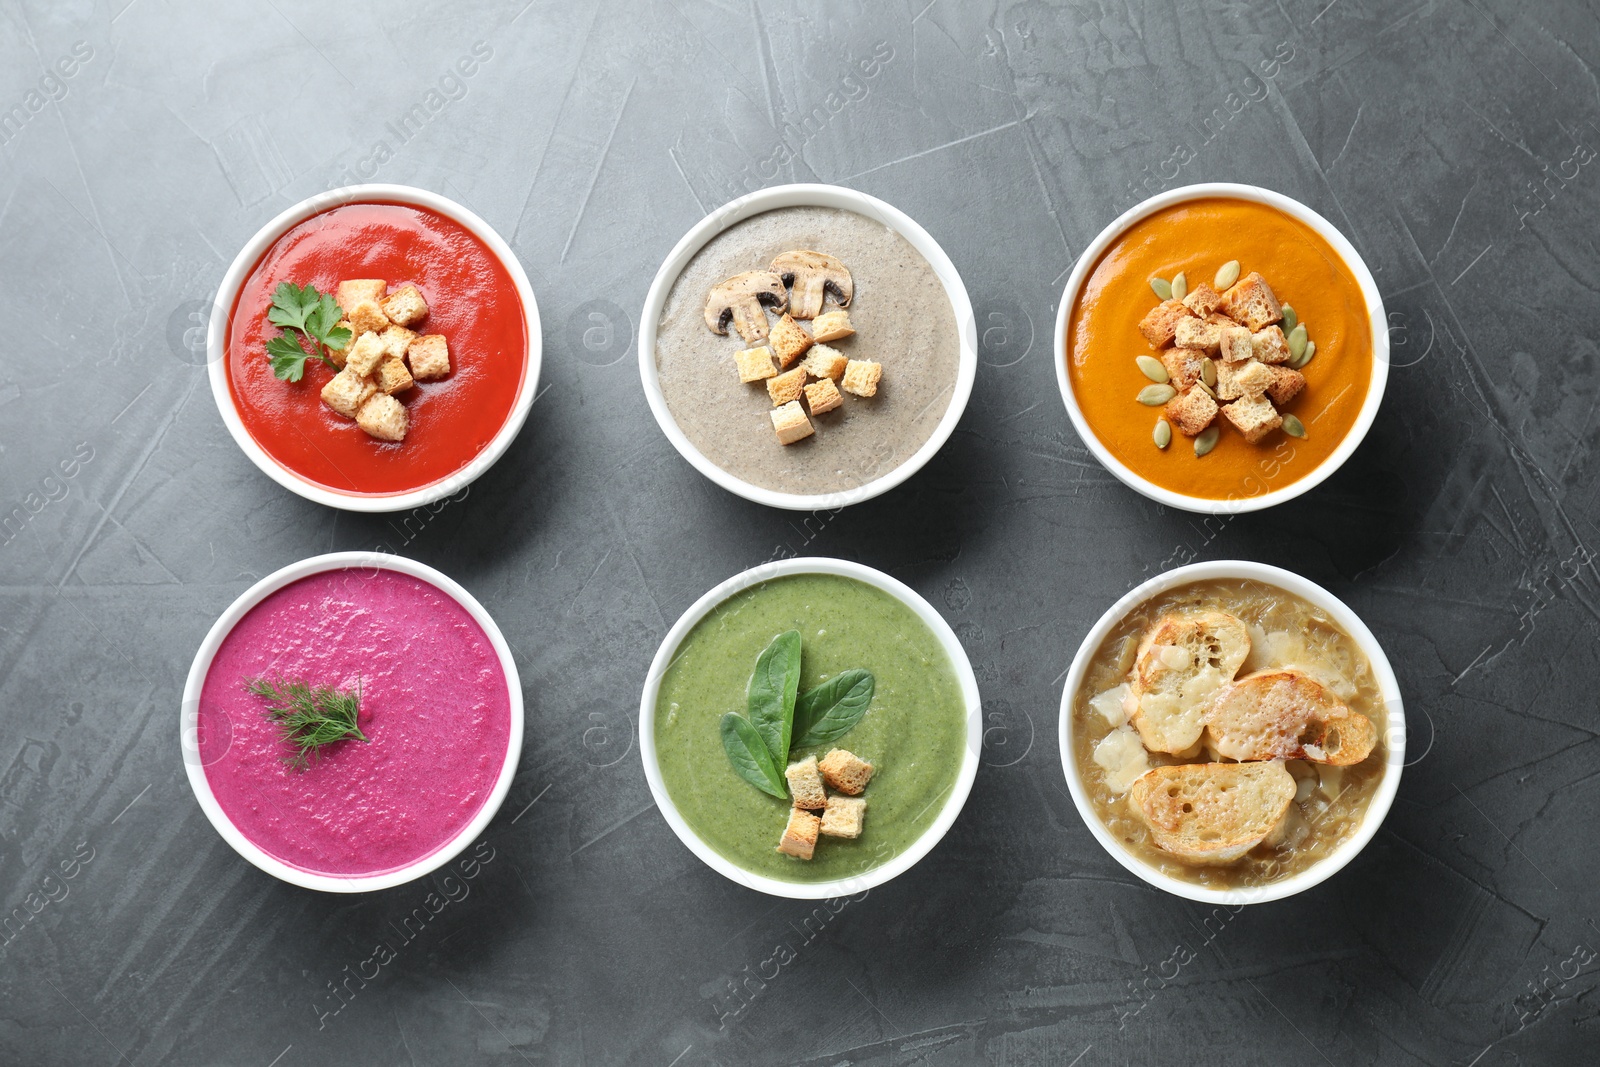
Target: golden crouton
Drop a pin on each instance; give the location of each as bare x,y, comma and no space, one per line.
396,340
429,356
364,354
1254,416
1160,325
843,816
831,325
754,363
392,376
861,377
405,306
337,354
1234,346
1242,379
1270,345
383,417
1217,318
790,423
353,291
347,391
825,362
1251,301
1184,366
789,342
1191,411
845,771
786,386
805,784
367,317
1285,385
1202,300
800,836
822,395
1197,333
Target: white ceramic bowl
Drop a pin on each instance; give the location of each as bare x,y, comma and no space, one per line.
953,803
245,262
781,196
1394,735
1377,319
188,722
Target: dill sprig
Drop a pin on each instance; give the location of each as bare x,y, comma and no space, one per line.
309,717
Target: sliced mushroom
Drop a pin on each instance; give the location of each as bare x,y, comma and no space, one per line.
810,276
742,298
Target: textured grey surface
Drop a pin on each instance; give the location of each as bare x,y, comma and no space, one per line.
1450,140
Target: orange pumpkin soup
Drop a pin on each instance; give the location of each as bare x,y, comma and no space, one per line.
1197,237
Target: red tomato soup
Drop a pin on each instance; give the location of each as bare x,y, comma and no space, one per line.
472,301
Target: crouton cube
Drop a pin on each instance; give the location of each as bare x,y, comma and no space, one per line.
843,816
1216,318
396,340
405,306
429,356
1254,416
1191,411
1184,366
353,291
1197,333
800,836
367,317
825,362
845,771
1242,379
1270,345
1202,300
805,784
786,386
1160,324
383,417
392,376
822,395
347,391
1252,302
1285,386
364,354
790,423
754,363
861,377
337,354
789,342
1234,345
831,325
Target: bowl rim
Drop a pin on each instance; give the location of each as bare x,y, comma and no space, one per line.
953,803
190,709
222,311
1377,317
1388,687
808,195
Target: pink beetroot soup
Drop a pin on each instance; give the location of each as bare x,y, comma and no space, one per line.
434,704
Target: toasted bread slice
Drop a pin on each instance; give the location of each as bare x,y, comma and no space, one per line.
1284,714
1212,813
1181,663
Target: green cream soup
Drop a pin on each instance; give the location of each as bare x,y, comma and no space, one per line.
913,733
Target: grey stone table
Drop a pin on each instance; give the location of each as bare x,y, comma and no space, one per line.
1453,141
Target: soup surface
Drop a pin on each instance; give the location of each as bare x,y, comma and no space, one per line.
1285,631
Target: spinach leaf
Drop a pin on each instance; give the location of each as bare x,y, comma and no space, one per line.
832,709
772,691
749,755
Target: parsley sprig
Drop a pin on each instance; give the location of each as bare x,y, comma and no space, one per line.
309,717
307,317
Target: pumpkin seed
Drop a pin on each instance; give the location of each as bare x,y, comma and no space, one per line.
1227,274
1208,373
1180,286
1206,441
1151,368
1162,287
1163,434
1290,318
1156,395
1297,341
1293,426
1311,350
1209,390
